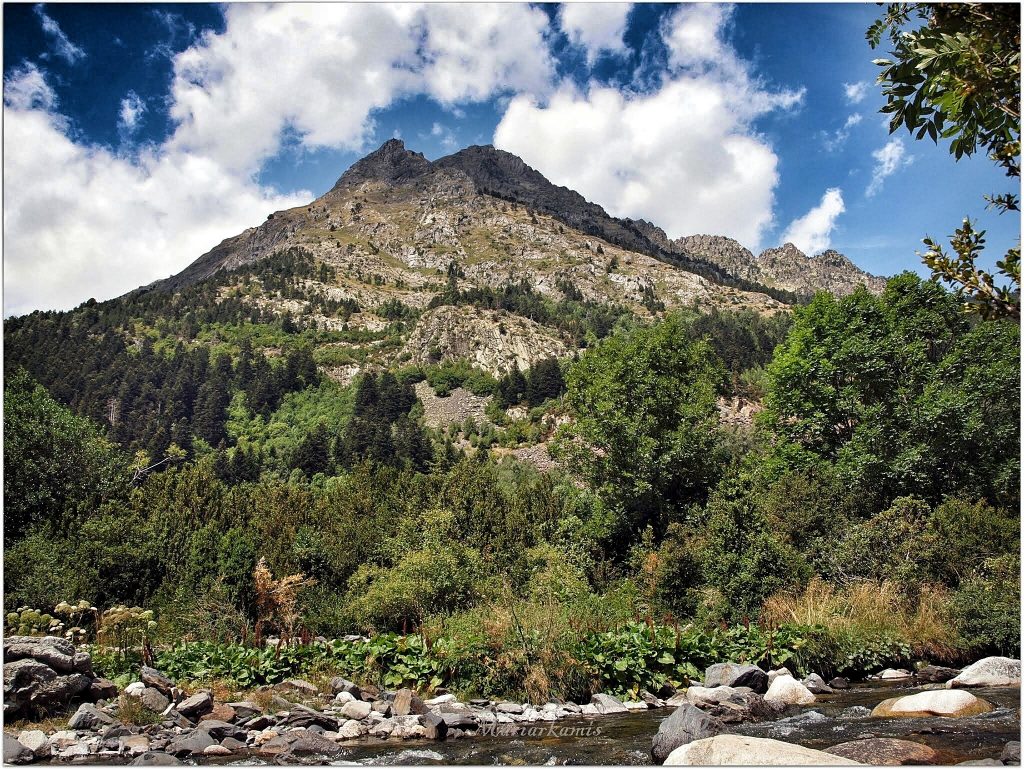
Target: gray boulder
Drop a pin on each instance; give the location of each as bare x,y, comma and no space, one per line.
736,675
606,704
303,716
434,726
220,730
936,674
687,723
1011,753
193,743
989,672
153,678
88,717
36,742
196,705
33,688
340,684
154,700
840,683
156,759
59,654
14,752
817,685
302,742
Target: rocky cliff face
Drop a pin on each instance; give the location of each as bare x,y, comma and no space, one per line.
785,267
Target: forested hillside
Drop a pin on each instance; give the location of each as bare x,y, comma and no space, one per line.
157,448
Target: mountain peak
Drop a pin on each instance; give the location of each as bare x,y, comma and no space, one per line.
391,162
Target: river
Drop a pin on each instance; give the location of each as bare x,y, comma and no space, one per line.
626,739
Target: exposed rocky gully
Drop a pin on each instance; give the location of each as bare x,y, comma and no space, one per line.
739,715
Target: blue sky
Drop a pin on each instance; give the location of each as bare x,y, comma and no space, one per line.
139,136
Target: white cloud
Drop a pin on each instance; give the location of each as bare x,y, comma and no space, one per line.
888,159
25,88
63,47
445,135
130,115
684,156
596,27
856,92
83,220
834,140
810,233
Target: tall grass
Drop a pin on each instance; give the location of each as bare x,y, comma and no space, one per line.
868,610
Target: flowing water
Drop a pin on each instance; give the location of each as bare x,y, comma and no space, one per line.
626,739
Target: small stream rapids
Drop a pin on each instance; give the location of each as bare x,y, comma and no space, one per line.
626,739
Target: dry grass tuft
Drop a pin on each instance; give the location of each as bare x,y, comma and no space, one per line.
871,608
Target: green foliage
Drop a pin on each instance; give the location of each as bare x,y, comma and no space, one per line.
57,466
896,391
986,608
957,76
646,423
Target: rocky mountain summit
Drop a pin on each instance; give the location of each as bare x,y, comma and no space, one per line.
397,230
785,267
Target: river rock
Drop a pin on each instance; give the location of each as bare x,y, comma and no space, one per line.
36,742
156,759
895,673
445,698
356,709
221,712
303,716
989,672
936,674
351,729
817,685
52,651
340,684
1010,755
219,730
102,689
606,704
133,745
154,700
772,675
986,762
736,675
298,685
301,742
733,704
192,743
14,752
153,678
509,708
839,683
886,751
685,725
434,726
785,689
459,721
407,702
88,717
745,750
940,703
196,705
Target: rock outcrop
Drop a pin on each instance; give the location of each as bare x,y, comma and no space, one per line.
43,675
886,751
685,725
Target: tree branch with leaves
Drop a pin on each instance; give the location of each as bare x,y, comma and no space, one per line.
956,76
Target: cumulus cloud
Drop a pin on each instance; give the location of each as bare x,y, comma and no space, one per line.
444,135
683,155
63,47
888,160
130,115
597,27
82,220
811,232
837,138
856,92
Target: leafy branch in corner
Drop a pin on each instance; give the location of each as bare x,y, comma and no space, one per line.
957,77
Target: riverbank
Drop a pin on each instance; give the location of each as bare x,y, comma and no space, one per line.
153,721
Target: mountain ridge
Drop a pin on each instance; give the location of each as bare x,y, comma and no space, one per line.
784,273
